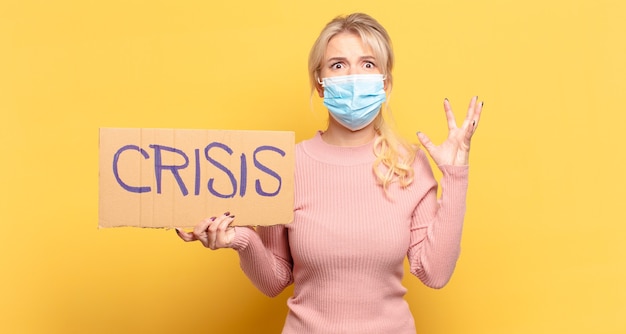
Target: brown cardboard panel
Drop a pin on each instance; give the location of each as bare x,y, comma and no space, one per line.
177,177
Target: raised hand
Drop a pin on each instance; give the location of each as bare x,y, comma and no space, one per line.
213,233
455,149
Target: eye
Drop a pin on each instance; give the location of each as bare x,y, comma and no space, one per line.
369,65
336,66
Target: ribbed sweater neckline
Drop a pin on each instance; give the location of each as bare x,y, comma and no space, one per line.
321,151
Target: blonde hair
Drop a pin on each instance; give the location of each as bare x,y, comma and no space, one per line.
394,155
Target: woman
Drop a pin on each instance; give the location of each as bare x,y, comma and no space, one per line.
364,199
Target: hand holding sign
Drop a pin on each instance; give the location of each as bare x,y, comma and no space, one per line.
213,233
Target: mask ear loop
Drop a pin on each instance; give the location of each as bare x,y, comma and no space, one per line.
385,84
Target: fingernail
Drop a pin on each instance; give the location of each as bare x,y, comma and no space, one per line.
482,103
232,216
474,123
177,231
446,99
213,218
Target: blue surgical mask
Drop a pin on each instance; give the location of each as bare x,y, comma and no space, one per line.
354,100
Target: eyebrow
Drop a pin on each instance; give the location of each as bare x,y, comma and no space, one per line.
336,59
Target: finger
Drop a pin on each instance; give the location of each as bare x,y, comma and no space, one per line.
449,114
469,117
185,235
202,226
474,121
477,112
212,230
222,240
200,231
471,107
426,142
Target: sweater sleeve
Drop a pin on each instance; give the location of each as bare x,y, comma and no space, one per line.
437,224
265,257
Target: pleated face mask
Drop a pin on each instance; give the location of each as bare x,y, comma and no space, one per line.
354,100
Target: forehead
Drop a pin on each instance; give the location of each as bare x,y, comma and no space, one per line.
347,44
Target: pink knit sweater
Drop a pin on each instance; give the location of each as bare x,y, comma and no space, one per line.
345,249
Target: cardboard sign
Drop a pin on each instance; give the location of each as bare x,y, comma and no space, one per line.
176,178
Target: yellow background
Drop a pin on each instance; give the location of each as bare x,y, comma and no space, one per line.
543,246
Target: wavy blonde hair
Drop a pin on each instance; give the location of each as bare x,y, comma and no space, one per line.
394,155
